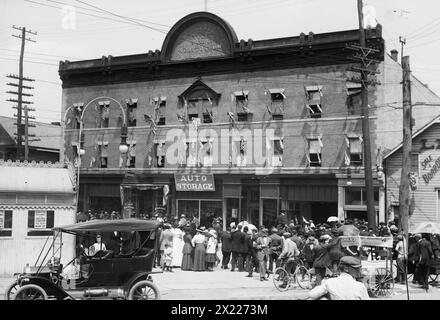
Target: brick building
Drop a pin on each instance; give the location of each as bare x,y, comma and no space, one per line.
279,125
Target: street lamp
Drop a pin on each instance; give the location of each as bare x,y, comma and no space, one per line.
123,147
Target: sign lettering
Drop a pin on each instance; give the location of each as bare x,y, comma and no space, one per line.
194,182
433,168
383,242
40,220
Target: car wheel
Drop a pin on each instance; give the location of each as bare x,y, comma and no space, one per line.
11,290
144,290
30,292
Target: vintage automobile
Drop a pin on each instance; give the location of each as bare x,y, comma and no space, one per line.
95,274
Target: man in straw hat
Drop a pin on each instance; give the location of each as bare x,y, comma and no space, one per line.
345,286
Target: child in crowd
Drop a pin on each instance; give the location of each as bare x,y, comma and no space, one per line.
168,255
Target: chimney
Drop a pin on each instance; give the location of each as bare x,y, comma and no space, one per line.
394,54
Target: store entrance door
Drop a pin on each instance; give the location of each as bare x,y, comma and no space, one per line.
251,201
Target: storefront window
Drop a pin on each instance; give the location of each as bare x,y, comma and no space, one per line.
293,212
189,208
270,212
232,210
358,196
208,211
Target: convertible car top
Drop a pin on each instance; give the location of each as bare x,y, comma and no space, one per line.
120,225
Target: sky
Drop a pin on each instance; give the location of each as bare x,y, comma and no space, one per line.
79,29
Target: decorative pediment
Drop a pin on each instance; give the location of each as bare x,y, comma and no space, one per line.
199,91
201,35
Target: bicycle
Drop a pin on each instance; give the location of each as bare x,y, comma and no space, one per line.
283,280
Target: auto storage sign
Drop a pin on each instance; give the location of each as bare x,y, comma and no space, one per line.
194,182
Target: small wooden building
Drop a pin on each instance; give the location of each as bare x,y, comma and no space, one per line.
34,197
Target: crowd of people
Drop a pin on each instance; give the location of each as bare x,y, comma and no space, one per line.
243,247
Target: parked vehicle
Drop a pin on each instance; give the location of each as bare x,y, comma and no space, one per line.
95,274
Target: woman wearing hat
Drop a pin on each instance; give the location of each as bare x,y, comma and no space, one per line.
211,249
187,251
198,242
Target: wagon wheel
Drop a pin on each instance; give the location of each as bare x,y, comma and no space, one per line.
281,279
30,292
144,290
11,290
383,283
304,278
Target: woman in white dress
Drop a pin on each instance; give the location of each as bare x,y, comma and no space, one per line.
177,245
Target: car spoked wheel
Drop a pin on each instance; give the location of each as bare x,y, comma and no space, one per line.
144,290
11,290
30,292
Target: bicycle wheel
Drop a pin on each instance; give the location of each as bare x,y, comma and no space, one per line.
304,277
281,279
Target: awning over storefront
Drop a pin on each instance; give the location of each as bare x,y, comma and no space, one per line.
35,179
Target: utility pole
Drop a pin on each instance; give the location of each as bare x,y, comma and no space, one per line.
363,53
407,146
402,43
21,130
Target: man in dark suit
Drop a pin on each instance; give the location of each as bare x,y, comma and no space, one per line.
246,248
226,247
424,254
276,246
252,257
282,219
237,238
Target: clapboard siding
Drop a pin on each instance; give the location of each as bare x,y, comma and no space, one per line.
424,200
20,249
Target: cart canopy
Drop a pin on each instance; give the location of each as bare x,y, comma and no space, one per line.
120,225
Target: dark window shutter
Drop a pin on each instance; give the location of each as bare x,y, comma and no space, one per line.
8,219
31,218
50,216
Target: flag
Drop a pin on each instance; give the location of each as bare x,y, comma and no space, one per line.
319,157
150,160
209,114
69,121
244,96
268,109
320,91
283,95
319,107
231,118
185,102
92,161
361,139
320,142
347,142
245,108
209,99
281,144
180,117
347,159
310,109
308,158
121,161
242,146
232,97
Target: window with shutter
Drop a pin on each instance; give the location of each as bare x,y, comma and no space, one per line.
314,153
5,223
40,222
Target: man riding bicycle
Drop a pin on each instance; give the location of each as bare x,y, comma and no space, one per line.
289,254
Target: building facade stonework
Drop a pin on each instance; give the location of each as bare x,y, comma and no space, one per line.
275,123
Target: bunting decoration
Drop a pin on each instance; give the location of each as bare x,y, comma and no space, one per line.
320,142
231,118
121,161
319,107
209,99
209,113
310,109
347,159
149,119
268,109
181,118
